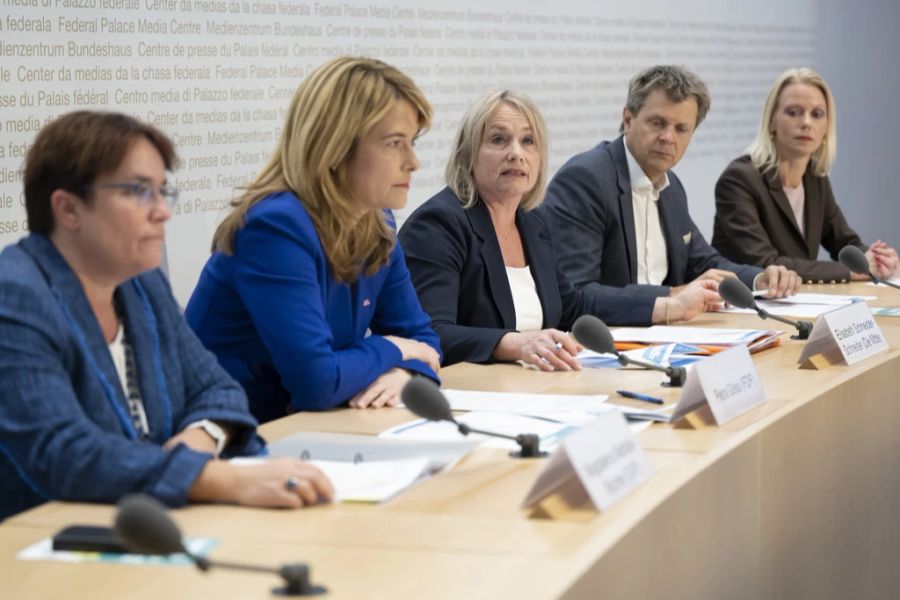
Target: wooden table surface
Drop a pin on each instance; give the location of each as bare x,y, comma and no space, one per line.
794,499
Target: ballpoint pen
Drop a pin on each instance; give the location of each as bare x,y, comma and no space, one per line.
638,396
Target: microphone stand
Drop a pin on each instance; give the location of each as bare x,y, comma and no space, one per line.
877,280
529,443
804,328
295,575
677,375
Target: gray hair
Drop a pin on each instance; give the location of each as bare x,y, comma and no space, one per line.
678,83
460,168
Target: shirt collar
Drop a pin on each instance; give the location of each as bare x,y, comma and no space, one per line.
639,180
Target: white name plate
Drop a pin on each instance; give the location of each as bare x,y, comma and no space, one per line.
604,456
727,382
845,335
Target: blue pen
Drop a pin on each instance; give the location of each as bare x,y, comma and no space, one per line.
637,396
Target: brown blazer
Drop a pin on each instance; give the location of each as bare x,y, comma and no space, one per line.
754,223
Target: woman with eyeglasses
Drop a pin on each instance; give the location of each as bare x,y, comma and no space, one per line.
105,389
306,299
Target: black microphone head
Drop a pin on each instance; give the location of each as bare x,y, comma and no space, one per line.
144,525
735,293
593,334
854,259
423,397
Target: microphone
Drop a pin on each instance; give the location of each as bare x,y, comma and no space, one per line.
593,334
855,259
423,397
735,293
144,525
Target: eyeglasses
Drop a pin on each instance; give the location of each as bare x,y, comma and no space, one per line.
143,193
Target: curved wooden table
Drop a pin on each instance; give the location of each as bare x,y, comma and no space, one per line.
792,500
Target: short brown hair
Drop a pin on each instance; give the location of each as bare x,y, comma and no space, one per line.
678,83
72,151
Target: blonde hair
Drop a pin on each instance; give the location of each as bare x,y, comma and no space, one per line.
332,109
460,168
763,151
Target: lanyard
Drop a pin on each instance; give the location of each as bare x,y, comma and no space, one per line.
108,389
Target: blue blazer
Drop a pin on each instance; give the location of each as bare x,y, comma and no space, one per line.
589,205
454,257
291,334
64,427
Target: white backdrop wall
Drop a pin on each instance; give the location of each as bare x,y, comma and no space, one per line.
217,75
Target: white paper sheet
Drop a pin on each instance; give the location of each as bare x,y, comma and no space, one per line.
663,334
375,481
525,404
548,431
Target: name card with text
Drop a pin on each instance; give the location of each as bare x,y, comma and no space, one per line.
845,335
727,382
604,456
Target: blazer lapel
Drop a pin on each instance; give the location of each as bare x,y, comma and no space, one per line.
676,244
626,205
813,217
492,259
67,288
539,253
782,202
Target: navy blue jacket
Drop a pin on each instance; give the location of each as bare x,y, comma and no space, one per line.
456,265
287,330
589,205
64,427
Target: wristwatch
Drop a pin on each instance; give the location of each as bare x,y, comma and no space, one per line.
214,431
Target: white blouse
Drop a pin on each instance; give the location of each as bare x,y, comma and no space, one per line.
529,313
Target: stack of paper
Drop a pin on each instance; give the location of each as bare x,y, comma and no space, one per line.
708,340
364,468
804,305
548,431
664,355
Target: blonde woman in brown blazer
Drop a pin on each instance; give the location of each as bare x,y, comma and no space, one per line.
776,205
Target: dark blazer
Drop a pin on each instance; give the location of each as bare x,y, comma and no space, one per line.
755,224
589,205
282,325
65,433
457,268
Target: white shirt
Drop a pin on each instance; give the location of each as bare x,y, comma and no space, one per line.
652,258
797,199
529,313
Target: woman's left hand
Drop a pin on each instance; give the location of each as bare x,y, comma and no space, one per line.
883,260
384,391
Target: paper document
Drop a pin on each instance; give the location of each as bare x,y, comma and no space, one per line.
345,447
664,355
374,481
524,404
423,430
810,298
702,336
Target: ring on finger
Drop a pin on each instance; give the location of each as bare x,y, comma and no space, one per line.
292,484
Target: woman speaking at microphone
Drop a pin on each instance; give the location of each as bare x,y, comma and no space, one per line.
105,389
775,205
306,299
483,261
